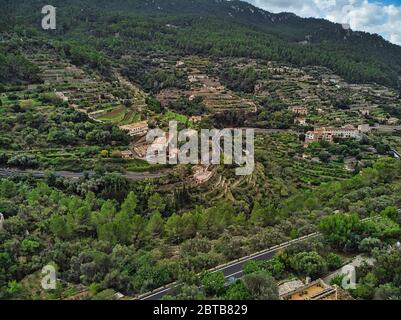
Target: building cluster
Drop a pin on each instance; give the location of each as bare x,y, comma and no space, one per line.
328,134
316,290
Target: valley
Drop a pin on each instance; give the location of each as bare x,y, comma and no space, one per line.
77,193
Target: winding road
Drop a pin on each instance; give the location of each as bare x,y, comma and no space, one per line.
232,270
8,172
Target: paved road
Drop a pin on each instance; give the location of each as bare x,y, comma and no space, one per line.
6,172
233,270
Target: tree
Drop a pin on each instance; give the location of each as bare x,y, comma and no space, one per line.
263,216
138,228
388,267
324,156
252,266
368,244
190,292
156,203
104,153
153,104
60,227
238,291
387,292
13,289
117,280
339,228
23,161
382,227
3,158
274,266
230,247
308,263
333,261
130,204
218,218
123,227
213,283
261,286
391,213
366,286
155,224
195,246
173,228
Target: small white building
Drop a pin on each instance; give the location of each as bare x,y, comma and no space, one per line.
127,154
301,121
299,110
364,128
136,129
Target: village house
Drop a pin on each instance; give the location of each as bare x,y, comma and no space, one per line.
140,150
364,128
300,121
136,129
328,134
299,110
127,154
364,112
195,119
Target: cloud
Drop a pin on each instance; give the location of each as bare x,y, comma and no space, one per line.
364,15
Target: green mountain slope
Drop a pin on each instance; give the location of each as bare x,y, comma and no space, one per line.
210,27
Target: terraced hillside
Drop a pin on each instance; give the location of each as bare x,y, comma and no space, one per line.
117,102
215,95
280,171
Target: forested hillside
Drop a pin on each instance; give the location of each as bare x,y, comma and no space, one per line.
214,28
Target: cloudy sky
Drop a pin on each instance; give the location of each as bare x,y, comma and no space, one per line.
382,17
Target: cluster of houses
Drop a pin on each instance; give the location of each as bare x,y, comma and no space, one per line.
216,97
328,134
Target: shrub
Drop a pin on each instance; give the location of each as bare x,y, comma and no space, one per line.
3,158
309,264
368,244
23,161
333,261
213,283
